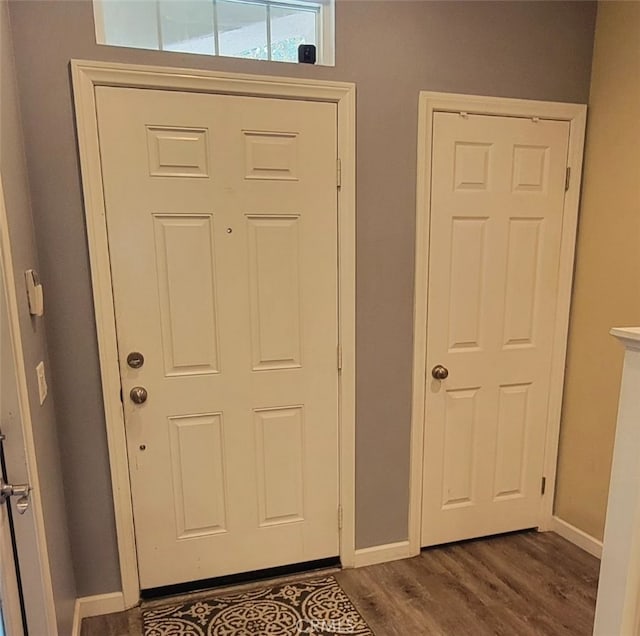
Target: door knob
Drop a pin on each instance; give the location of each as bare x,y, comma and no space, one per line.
439,372
138,394
21,491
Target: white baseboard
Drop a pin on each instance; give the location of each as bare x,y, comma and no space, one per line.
98,605
383,553
576,536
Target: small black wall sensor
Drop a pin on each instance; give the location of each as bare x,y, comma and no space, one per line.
307,54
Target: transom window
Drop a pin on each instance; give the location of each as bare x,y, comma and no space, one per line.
257,29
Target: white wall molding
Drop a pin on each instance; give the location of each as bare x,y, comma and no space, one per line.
86,76
576,536
87,606
575,114
384,553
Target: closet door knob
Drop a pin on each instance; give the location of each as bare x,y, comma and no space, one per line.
439,372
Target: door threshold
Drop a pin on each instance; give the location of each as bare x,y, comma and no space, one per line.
242,580
479,539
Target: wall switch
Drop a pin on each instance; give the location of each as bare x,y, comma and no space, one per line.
34,293
42,382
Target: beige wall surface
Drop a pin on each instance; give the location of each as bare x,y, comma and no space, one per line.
392,50
13,169
607,280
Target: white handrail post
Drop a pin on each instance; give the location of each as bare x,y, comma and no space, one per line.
619,587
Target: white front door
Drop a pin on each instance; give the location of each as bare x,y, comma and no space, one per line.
497,187
222,222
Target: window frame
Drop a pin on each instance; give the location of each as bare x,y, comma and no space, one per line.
325,27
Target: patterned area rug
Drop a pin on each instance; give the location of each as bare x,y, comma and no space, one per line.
316,607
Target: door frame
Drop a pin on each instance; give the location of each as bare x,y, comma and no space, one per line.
575,114
86,76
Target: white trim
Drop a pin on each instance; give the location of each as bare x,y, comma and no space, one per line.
87,606
42,598
327,40
575,114
630,336
383,553
576,536
575,158
88,75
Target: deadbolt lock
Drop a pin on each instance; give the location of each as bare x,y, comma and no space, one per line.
135,359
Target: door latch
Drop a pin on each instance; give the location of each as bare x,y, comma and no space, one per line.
21,491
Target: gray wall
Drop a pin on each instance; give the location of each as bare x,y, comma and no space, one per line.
13,169
391,49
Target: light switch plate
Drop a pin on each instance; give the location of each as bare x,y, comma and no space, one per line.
42,382
34,293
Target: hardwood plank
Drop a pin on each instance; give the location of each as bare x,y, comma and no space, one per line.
529,584
127,623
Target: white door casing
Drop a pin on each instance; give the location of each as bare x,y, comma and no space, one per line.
222,220
494,224
89,75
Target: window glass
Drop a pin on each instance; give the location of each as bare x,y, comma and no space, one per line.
289,29
187,26
132,24
242,29
258,29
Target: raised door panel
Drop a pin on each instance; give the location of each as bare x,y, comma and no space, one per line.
186,278
274,273
466,294
177,152
522,275
197,452
459,448
530,168
280,464
271,155
472,162
511,443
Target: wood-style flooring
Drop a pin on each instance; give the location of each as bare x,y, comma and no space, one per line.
515,585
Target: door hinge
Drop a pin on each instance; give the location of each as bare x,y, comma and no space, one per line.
543,485
339,352
567,179
338,173
339,517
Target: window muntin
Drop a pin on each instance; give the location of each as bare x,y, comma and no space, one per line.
257,29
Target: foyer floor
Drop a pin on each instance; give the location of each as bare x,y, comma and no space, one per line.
515,585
